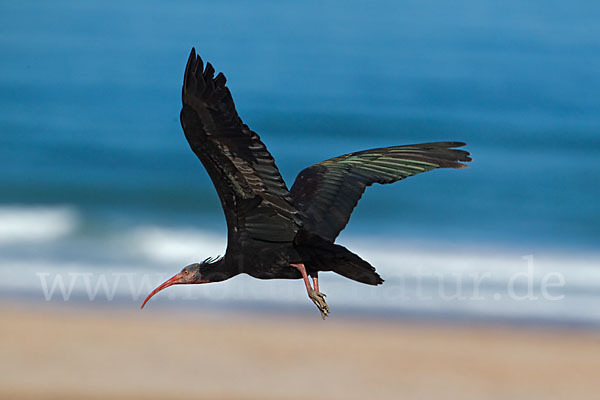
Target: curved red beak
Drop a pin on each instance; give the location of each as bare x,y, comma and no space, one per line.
177,279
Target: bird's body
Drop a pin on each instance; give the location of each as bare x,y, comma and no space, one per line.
273,232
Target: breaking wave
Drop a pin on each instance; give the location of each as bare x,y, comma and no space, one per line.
36,224
427,278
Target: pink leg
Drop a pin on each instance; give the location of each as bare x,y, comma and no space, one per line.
317,297
316,282
302,270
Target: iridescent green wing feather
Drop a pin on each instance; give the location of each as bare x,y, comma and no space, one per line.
327,192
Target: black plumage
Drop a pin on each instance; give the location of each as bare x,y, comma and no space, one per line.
274,232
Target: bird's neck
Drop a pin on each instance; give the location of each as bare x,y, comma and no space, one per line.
219,270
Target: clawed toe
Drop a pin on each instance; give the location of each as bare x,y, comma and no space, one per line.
317,297
319,300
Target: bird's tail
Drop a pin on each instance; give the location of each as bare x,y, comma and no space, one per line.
348,264
327,256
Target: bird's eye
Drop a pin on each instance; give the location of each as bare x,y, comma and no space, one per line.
185,272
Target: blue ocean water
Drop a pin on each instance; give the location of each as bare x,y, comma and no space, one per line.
91,145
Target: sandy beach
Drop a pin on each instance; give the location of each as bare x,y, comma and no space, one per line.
55,352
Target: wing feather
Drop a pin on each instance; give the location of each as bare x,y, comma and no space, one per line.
327,192
243,171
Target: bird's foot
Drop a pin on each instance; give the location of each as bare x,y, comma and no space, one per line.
319,299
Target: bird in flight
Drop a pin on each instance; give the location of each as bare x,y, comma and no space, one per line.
274,232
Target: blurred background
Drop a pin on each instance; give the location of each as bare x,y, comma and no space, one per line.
101,198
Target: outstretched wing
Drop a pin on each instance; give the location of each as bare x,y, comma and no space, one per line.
255,199
327,192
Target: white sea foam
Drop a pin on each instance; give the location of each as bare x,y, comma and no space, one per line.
36,224
420,279
579,269
178,246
